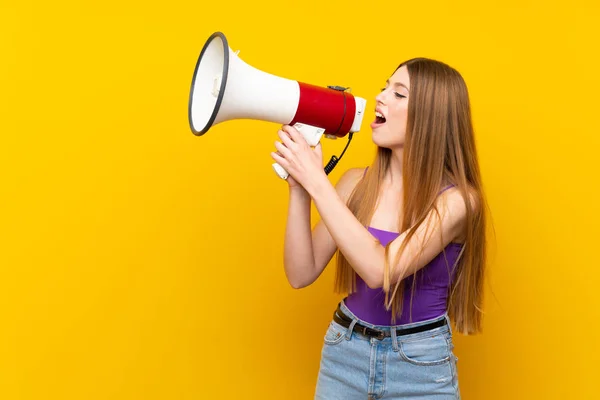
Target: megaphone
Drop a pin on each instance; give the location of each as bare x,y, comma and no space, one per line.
225,88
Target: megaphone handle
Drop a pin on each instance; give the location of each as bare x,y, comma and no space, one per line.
311,134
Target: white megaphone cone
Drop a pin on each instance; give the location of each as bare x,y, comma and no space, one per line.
225,88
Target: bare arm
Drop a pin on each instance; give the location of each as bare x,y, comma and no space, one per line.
367,256
306,252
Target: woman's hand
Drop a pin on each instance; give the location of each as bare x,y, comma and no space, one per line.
303,164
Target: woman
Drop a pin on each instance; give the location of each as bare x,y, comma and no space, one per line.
410,236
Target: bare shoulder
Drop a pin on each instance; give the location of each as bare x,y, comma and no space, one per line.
453,207
455,202
348,182
472,197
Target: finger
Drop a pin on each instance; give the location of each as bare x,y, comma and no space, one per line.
283,150
294,134
286,139
279,159
278,154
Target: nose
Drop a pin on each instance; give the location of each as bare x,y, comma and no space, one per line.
380,97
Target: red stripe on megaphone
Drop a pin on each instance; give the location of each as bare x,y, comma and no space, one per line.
332,110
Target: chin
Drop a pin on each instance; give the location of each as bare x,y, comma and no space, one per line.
381,138
384,138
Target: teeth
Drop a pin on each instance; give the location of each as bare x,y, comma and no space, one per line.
378,114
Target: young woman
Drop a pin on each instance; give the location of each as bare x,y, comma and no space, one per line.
410,236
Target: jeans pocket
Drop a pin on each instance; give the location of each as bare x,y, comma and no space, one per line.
426,350
335,333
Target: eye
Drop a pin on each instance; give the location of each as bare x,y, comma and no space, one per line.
400,96
382,89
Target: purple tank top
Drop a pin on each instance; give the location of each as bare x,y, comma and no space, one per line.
430,294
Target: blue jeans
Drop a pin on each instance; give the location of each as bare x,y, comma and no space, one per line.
418,365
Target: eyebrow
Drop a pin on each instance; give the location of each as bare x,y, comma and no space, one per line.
397,84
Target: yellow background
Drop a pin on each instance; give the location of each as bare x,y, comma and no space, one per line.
139,261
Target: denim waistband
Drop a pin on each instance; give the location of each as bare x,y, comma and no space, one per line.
351,315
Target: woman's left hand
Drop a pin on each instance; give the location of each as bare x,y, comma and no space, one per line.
295,155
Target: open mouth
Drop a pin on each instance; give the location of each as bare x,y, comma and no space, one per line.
379,118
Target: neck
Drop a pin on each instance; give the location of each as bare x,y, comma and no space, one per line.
395,171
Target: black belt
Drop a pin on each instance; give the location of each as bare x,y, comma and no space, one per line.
342,319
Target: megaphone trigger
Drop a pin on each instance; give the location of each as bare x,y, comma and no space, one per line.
311,134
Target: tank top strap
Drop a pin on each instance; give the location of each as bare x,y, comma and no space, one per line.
446,188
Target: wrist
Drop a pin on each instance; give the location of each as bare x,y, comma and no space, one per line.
320,187
298,190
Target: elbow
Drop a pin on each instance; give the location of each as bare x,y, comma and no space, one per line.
373,273
374,282
300,276
297,284
374,277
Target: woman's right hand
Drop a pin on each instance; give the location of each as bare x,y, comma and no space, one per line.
292,183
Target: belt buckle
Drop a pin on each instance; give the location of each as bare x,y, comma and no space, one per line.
378,334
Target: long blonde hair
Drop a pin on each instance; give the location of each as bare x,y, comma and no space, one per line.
439,148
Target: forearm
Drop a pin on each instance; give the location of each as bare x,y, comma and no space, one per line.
299,261
355,242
